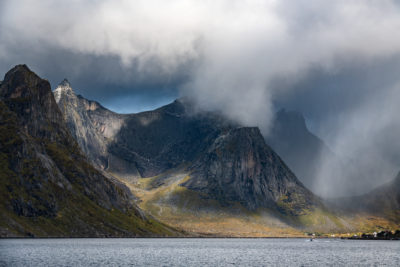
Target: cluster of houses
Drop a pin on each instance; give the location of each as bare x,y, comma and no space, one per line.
382,235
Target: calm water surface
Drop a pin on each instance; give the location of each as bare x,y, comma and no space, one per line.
197,252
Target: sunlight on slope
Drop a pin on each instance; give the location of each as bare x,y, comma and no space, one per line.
164,198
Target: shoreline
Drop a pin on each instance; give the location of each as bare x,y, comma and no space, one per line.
216,237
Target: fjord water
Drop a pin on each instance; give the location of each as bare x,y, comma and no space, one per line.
197,252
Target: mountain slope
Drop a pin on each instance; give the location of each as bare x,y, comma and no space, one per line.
239,166
47,187
136,145
383,201
298,147
86,130
186,166
385,198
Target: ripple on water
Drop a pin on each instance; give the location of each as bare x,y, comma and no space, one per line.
197,252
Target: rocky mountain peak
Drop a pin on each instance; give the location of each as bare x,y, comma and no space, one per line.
64,89
65,86
31,98
240,167
88,122
20,81
65,83
19,68
48,188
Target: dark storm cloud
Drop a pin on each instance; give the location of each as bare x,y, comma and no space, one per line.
333,60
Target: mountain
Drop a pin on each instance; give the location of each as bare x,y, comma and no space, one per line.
134,145
224,159
69,166
90,133
188,168
239,166
298,147
383,201
47,186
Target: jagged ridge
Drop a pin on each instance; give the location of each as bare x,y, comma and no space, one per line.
47,186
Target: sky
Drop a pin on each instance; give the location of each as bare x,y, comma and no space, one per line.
337,62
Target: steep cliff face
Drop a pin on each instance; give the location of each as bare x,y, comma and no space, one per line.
89,123
131,146
48,188
240,167
298,147
165,138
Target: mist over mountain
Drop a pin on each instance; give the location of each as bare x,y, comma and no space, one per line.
384,199
381,201
180,110
71,167
101,133
335,62
300,149
225,161
182,162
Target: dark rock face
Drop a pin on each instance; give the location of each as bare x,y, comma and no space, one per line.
136,145
29,97
239,166
298,147
48,188
225,161
165,138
